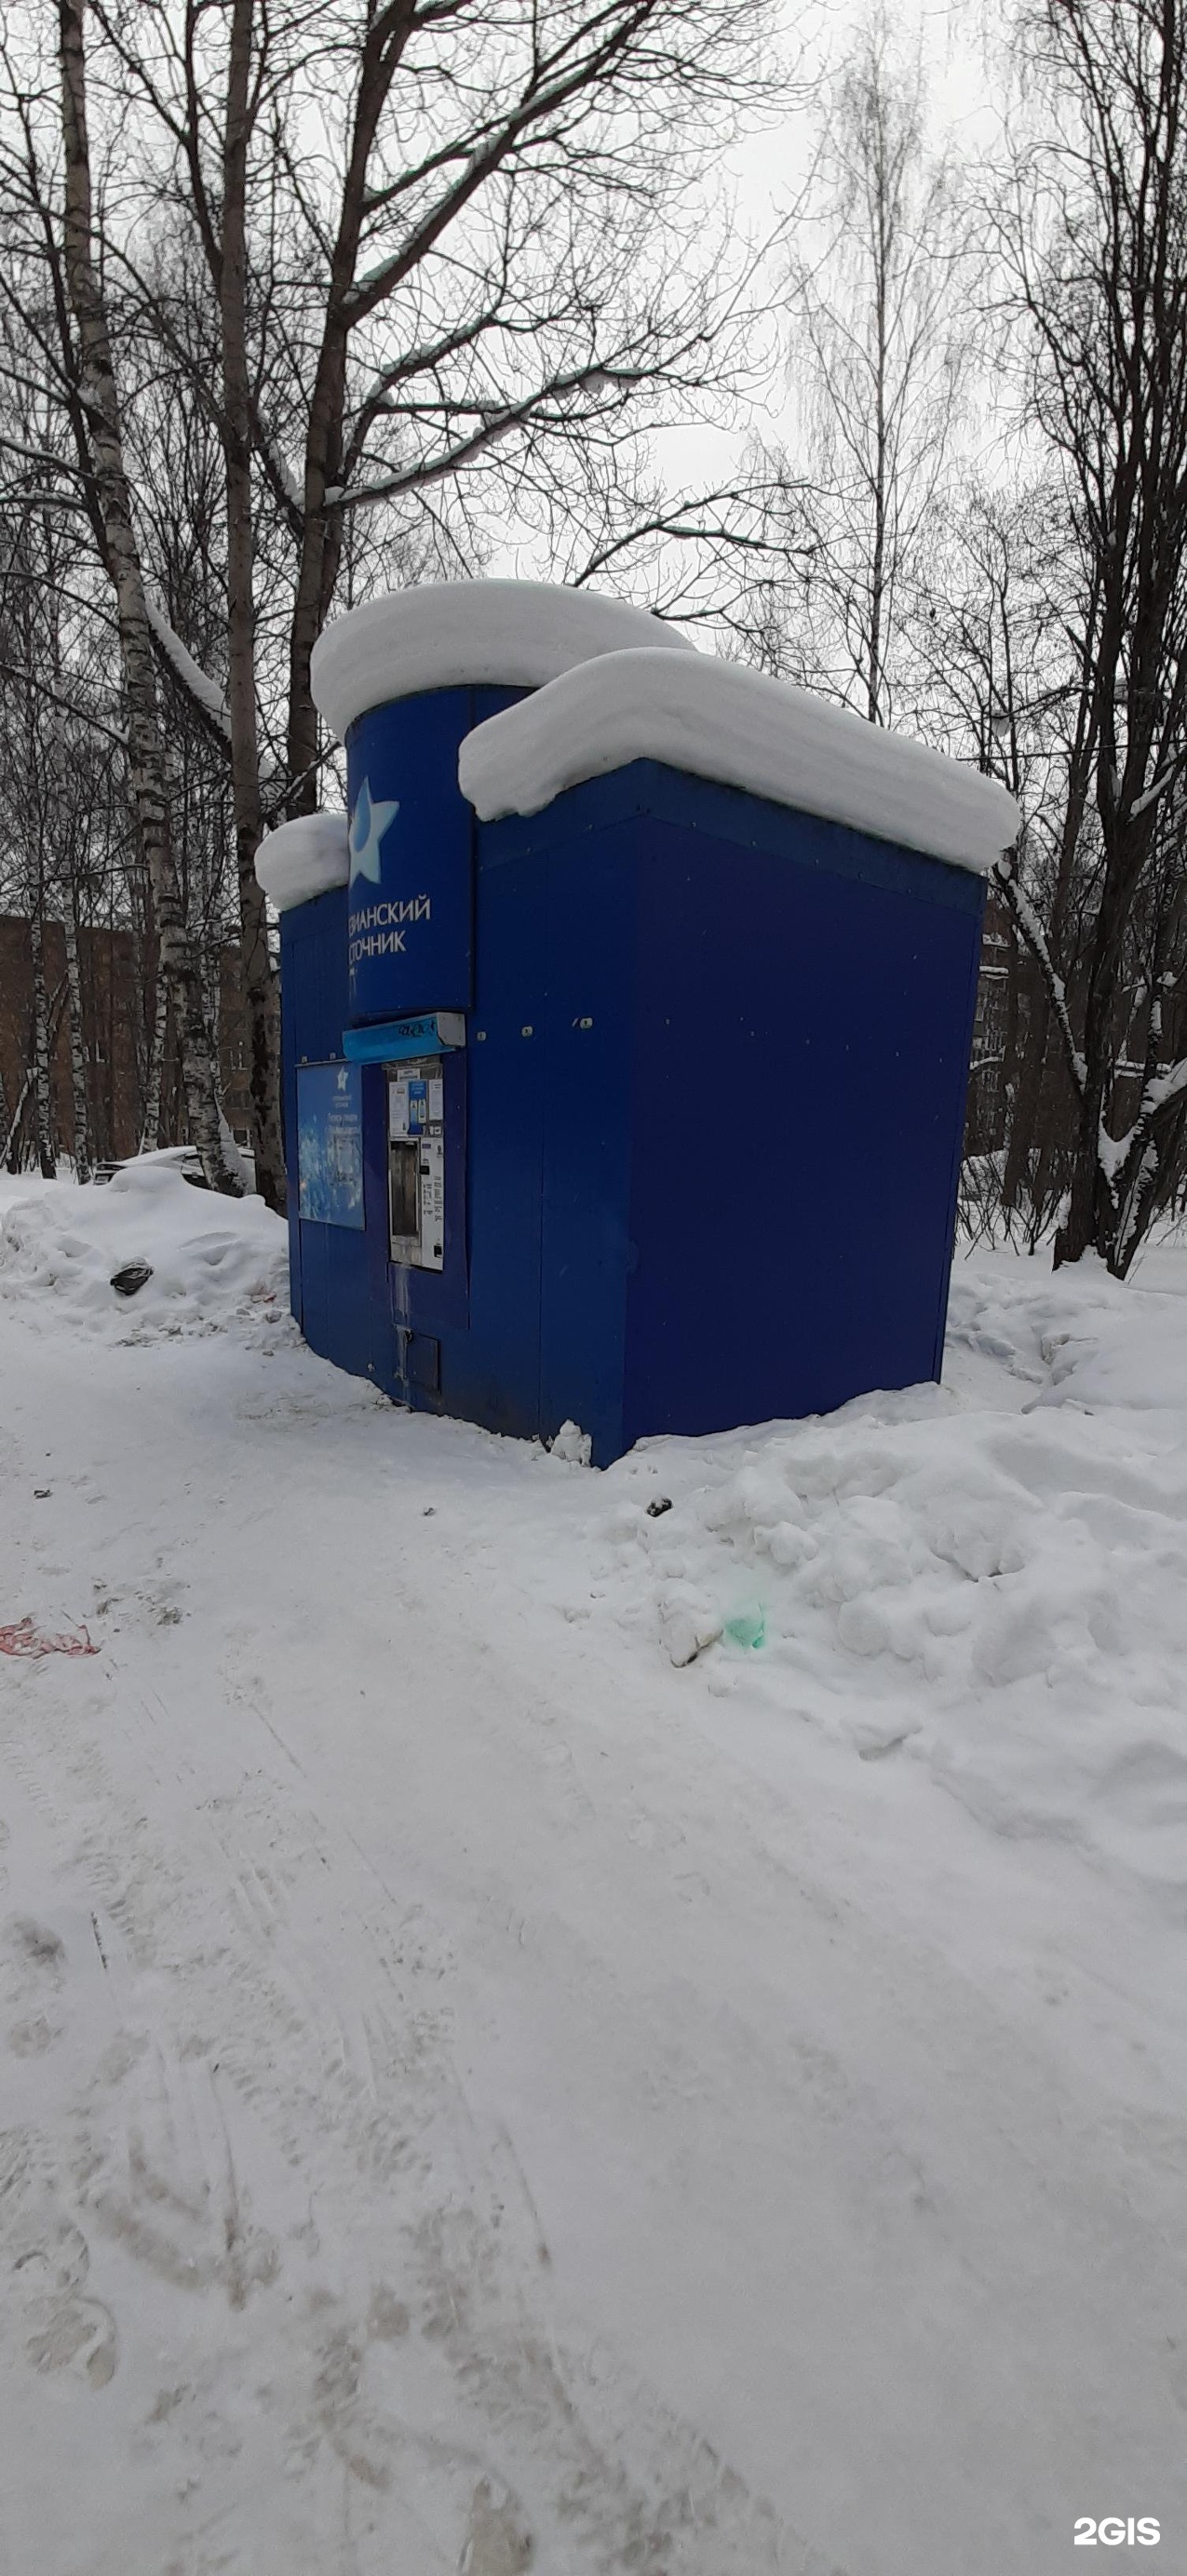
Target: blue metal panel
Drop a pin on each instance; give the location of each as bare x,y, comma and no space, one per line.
492,1375
382,1368
730,815
795,1092
313,977
585,1249
800,1065
314,1318
335,1303
411,841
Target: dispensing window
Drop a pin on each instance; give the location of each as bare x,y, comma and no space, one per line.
404,1184
416,1162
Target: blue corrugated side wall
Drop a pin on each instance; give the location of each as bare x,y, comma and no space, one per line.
821,1067
549,1086
752,1211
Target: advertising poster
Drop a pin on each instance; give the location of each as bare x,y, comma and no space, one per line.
330,1143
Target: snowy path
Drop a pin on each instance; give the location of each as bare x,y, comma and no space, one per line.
461,2079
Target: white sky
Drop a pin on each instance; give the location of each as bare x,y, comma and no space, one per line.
963,43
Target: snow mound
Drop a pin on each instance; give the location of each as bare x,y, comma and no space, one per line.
457,634
744,730
302,859
217,1263
998,1589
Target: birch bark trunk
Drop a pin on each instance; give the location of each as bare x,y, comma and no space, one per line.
146,764
261,999
150,1132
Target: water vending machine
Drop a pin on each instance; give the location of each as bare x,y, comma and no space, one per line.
625,1008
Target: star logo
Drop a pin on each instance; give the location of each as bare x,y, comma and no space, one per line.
368,825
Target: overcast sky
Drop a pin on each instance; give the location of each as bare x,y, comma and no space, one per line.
963,46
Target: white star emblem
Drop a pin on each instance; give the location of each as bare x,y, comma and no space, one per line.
368,825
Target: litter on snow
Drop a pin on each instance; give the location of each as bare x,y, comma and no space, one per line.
23,1637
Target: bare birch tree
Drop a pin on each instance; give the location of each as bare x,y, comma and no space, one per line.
1094,234
879,341
426,273
100,404
441,246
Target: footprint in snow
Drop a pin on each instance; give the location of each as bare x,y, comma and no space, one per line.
32,1973
497,2543
63,2329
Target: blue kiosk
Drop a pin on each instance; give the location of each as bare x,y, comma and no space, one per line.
626,1024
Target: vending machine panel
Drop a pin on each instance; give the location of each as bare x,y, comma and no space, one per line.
416,1162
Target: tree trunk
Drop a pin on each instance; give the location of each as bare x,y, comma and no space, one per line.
10,1151
318,570
150,1131
1092,1221
42,1100
321,540
878,557
145,756
260,997
78,1059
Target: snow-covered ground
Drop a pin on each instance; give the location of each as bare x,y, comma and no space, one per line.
481,2090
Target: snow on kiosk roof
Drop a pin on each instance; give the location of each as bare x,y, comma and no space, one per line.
303,859
454,634
740,728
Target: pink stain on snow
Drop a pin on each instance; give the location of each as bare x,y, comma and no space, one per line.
21,1637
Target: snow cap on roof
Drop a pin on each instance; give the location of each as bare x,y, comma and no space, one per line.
454,634
734,725
303,859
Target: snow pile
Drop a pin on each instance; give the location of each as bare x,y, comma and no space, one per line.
304,858
456,634
216,1262
991,1576
1080,1337
744,730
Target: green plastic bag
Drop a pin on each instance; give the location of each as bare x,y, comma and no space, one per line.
748,1626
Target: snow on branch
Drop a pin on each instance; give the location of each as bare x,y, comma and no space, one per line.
1036,939
1157,787
285,477
286,487
1164,1087
205,692
496,426
1124,1159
